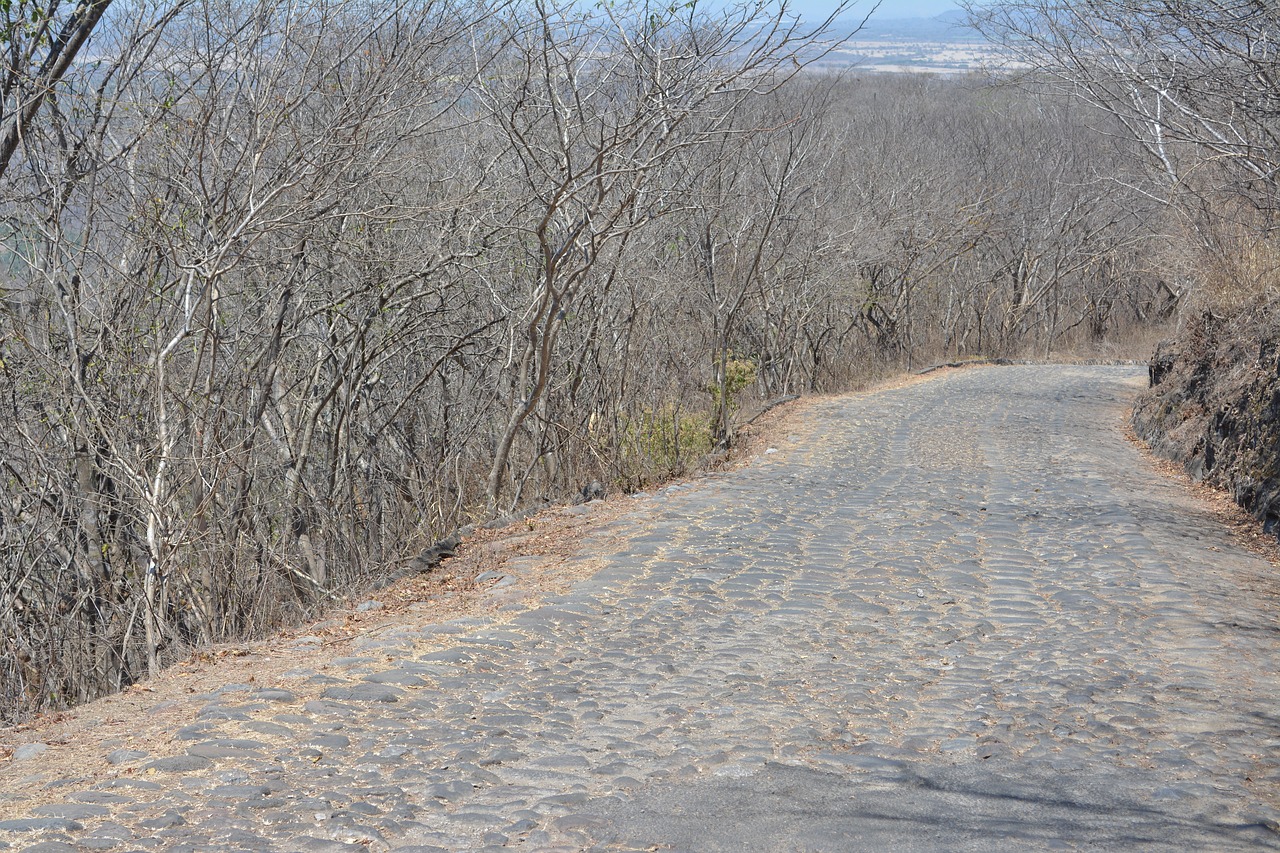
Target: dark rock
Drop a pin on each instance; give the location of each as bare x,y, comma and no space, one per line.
437,553
30,750
99,797
239,792
275,695
447,656
51,847
395,676
178,764
196,732
216,711
450,791
238,687
165,821
1162,362
592,491
71,811
329,707
63,782
226,748
367,692
266,728
40,824
139,784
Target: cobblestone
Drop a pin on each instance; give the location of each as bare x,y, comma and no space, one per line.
960,615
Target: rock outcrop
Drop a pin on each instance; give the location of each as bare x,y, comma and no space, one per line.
1214,404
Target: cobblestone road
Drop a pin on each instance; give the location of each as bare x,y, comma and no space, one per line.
960,615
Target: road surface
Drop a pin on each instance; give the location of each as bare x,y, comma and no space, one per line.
963,614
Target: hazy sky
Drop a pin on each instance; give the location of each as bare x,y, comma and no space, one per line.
888,8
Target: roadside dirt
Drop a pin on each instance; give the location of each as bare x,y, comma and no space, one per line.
1244,528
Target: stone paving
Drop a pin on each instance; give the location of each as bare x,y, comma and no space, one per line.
960,615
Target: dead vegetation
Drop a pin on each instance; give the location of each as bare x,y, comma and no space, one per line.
269,327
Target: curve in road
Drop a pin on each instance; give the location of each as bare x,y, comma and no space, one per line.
960,615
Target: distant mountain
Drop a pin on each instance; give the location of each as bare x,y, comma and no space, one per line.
948,27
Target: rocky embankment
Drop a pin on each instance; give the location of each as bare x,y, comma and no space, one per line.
1214,404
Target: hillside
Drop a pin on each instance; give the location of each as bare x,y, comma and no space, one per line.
1214,404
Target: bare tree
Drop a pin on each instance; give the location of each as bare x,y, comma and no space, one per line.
1193,80
594,106
290,290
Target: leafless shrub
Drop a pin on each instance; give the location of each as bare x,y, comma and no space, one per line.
289,291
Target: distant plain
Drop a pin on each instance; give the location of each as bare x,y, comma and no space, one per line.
942,44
